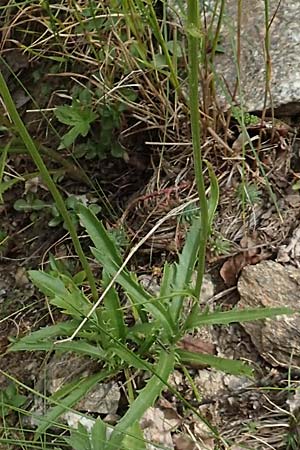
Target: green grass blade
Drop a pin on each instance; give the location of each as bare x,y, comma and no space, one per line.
214,195
13,113
3,158
194,40
158,35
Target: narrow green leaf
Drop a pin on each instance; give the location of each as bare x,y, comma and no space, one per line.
69,138
134,440
214,194
166,280
183,270
130,358
82,347
113,315
225,365
63,329
63,292
48,284
145,399
79,391
3,159
98,234
235,315
79,439
98,435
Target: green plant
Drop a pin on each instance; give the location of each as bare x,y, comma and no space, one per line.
10,399
30,203
44,172
85,111
218,245
149,341
79,116
158,325
194,39
33,205
82,439
72,204
243,116
248,193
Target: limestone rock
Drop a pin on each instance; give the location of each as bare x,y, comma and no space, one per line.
284,52
269,284
157,429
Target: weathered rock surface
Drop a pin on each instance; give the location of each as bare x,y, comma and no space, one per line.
269,284
157,429
284,52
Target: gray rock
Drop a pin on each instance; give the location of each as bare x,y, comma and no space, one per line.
157,429
102,399
284,52
269,284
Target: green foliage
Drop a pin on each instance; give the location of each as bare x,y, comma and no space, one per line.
87,109
10,399
148,341
72,203
244,117
158,325
82,439
32,204
79,116
218,245
248,193
3,160
296,186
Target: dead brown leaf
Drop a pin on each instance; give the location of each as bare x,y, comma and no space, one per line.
184,443
250,256
196,345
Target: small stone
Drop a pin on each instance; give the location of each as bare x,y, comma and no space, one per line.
157,429
207,288
271,285
102,399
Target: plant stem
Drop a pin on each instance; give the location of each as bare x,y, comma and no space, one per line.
194,36
15,117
